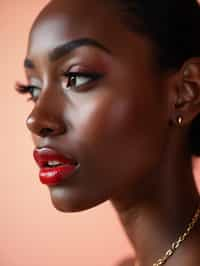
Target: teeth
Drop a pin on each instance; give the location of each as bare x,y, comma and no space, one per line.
53,163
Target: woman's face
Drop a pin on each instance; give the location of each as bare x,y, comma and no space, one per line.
113,121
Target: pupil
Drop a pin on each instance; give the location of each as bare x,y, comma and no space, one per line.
72,81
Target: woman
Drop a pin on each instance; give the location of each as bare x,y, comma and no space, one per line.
116,92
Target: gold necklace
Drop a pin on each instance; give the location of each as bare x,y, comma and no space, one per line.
175,245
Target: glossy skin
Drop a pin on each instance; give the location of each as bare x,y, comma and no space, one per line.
97,125
121,128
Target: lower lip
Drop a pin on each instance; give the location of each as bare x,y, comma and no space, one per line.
55,175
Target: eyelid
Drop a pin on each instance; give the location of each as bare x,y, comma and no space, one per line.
93,77
78,71
85,73
26,89
82,67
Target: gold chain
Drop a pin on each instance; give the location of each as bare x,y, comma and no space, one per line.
177,243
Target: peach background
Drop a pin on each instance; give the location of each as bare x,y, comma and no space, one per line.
32,232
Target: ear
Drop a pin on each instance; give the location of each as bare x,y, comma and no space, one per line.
187,100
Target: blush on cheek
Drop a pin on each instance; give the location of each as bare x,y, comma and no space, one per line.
106,117
92,119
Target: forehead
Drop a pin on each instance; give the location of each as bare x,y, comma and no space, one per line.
61,21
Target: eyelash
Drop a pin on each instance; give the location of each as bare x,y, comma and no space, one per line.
29,89
26,89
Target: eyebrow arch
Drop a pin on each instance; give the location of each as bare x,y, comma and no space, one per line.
66,48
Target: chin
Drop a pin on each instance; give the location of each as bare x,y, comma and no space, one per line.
67,202
66,207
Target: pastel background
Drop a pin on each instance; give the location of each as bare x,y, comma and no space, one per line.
32,231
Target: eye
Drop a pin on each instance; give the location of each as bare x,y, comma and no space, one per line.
34,92
76,80
30,89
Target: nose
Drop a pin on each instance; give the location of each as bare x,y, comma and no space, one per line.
44,127
46,120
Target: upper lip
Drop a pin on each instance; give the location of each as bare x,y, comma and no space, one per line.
43,155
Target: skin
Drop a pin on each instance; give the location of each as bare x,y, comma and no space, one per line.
122,128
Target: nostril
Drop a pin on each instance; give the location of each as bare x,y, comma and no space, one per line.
45,132
45,126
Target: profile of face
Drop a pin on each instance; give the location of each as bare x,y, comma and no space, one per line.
99,97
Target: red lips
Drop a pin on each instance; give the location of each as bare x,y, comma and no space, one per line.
51,173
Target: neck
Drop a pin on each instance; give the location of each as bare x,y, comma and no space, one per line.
157,211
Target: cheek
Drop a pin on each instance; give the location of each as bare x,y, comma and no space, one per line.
121,135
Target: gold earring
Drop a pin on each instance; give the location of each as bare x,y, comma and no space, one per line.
180,120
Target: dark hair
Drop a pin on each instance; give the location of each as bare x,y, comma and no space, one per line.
173,26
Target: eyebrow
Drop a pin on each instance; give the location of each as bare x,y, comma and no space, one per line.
66,48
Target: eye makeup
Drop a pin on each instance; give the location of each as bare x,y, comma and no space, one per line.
76,81
27,89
